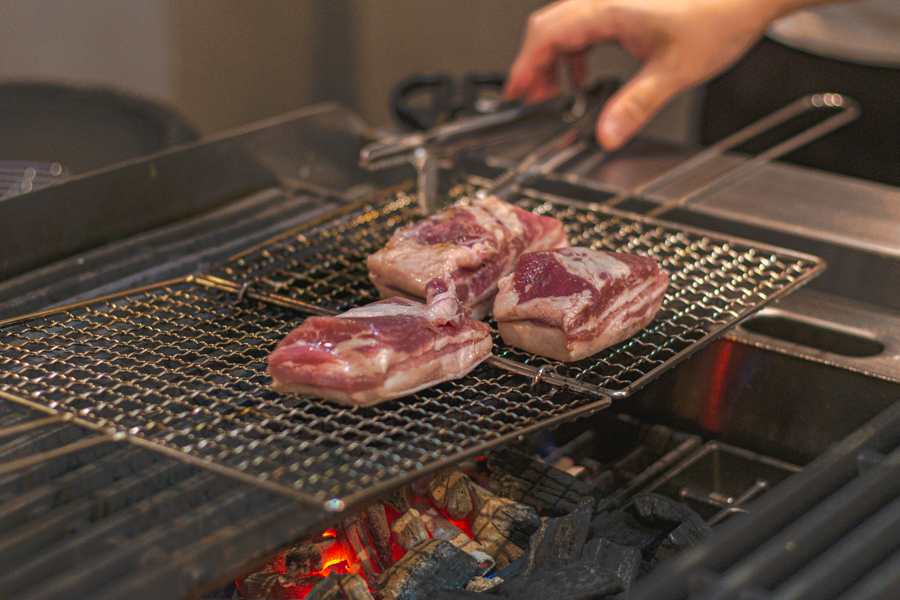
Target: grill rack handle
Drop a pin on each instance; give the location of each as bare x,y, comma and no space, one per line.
848,111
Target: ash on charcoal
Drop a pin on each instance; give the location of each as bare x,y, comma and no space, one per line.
579,581
483,584
624,561
523,479
352,532
309,557
267,585
442,528
559,540
622,528
400,499
503,526
409,529
449,492
428,567
380,534
341,587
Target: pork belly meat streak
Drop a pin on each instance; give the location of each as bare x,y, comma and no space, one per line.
571,303
381,351
474,244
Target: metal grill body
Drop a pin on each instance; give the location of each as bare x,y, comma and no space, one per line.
181,367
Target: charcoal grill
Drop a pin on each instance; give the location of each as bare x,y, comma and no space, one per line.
181,368
168,382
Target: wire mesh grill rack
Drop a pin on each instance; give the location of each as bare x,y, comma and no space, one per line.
180,367
716,281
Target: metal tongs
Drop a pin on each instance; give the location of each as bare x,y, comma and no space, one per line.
433,153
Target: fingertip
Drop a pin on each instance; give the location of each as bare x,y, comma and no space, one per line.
610,133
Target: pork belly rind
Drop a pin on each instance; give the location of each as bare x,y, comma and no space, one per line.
475,244
570,303
381,351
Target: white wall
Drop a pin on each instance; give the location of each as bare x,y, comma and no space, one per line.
123,44
223,63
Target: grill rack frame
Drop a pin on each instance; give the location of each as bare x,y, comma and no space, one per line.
587,398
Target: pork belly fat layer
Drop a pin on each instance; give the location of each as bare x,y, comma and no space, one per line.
384,350
474,244
593,298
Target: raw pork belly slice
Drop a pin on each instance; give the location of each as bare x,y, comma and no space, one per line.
383,350
474,244
570,303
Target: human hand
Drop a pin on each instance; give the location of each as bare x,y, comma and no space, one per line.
681,43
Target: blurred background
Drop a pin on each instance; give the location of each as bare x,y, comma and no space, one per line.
224,63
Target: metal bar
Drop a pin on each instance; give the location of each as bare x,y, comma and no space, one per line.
25,427
681,576
840,565
246,291
35,459
849,112
787,551
509,181
562,382
666,462
208,464
881,584
736,505
774,119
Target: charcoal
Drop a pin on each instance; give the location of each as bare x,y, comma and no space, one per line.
579,581
400,499
267,585
688,534
623,529
657,506
380,534
645,569
309,557
442,528
559,540
501,525
523,479
691,528
449,492
604,483
341,587
512,569
352,532
624,561
428,567
409,529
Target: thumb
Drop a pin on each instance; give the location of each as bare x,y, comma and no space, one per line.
635,104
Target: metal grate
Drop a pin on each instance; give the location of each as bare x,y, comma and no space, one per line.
716,281
182,368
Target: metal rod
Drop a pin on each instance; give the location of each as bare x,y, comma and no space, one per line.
849,112
780,116
36,459
25,427
839,566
